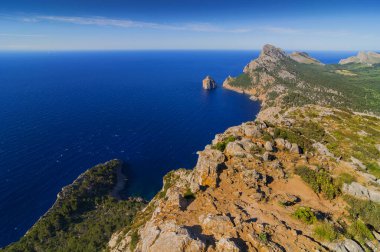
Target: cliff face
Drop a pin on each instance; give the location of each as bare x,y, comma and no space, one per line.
298,178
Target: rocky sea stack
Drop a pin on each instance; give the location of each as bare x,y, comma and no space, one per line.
208,83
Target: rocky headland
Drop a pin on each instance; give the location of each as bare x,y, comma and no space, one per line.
303,176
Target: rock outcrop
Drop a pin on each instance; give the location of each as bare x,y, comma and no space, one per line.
208,83
255,186
368,58
304,58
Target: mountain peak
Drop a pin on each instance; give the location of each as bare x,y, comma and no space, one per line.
363,57
272,51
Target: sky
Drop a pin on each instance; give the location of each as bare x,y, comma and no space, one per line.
189,24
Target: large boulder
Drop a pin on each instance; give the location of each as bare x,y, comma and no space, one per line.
357,190
235,149
206,172
208,83
217,225
295,149
227,245
268,146
347,245
169,237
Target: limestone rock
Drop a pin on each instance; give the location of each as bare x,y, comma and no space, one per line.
280,143
368,58
227,245
208,167
251,131
208,83
235,149
347,245
357,190
218,225
295,149
268,146
169,237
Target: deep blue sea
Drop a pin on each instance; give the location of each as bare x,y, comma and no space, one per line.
63,112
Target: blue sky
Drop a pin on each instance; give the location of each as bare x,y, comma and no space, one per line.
189,24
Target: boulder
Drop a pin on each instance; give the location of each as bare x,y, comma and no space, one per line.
268,157
208,83
347,245
235,149
280,143
206,172
268,146
295,149
288,145
169,237
357,190
251,178
217,225
247,144
251,131
227,245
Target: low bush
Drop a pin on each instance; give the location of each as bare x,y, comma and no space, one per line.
222,145
320,181
305,214
359,231
367,211
326,232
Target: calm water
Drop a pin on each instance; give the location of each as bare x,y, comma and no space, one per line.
61,113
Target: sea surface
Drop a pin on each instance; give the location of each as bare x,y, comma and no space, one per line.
64,112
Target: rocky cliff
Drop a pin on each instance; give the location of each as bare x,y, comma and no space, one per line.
301,177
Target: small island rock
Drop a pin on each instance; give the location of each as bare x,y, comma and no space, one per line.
209,83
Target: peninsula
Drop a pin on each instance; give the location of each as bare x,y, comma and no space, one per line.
303,176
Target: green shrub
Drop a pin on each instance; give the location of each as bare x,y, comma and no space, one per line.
264,237
305,214
134,240
367,211
345,178
320,181
359,232
222,145
189,194
326,232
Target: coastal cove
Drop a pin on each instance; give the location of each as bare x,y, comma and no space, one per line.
145,108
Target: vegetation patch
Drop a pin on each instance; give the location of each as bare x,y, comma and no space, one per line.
326,232
367,211
359,231
222,145
305,214
84,216
320,181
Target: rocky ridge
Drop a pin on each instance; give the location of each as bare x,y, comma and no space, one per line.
368,58
279,183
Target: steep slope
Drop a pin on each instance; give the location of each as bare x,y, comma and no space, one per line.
301,177
84,215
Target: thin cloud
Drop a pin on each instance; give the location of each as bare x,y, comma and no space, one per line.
127,23
281,30
21,35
